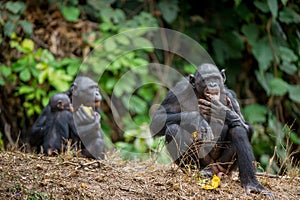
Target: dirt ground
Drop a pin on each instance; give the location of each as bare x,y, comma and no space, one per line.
29,176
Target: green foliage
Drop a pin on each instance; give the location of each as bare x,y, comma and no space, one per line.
1,142
35,73
139,145
10,14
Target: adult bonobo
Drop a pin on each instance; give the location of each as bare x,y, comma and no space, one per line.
60,124
85,93
203,127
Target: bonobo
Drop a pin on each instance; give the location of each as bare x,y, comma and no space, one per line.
203,127
85,93
60,124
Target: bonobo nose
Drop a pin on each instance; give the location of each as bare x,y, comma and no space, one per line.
212,84
98,96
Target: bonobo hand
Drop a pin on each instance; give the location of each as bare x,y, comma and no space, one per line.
205,131
86,122
215,109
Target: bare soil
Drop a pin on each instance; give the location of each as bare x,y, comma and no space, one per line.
29,176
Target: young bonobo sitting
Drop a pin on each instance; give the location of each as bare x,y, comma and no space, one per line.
200,110
60,124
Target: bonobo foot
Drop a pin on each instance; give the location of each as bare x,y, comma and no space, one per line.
259,189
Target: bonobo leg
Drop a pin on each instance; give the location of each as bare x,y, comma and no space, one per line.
245,159
183,148
178,141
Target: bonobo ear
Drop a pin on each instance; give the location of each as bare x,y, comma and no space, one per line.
192,79
223,75
74,89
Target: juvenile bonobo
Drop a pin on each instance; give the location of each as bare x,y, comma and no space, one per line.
85,93
203,127
61,125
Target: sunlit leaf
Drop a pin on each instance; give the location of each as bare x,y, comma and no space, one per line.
287,54
25,75
110,44
142,43
122,39
5,71
70,13
24,89
28,45
2,82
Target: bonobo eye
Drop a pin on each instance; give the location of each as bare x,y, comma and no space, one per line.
59,104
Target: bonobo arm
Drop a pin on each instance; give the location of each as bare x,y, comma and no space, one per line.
190,121
89,131
38,129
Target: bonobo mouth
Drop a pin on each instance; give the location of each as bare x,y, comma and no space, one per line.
69,108
209,94
97,104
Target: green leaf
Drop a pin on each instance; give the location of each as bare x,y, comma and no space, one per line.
284,2
24,89
220,49
295,138
255,113
294,93
262,52
273,5
279,87
251,32
137,105
26,26
169,10
25,75
28,45
110,44
2,82
287,15
5,71
261,6
142,43
70,13
9,28
122,39
288,68
287,54
15,7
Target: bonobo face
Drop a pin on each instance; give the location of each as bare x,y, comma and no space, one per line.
86,92
208,82
60,101
212,91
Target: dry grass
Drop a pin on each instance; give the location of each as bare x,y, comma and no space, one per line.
28,176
